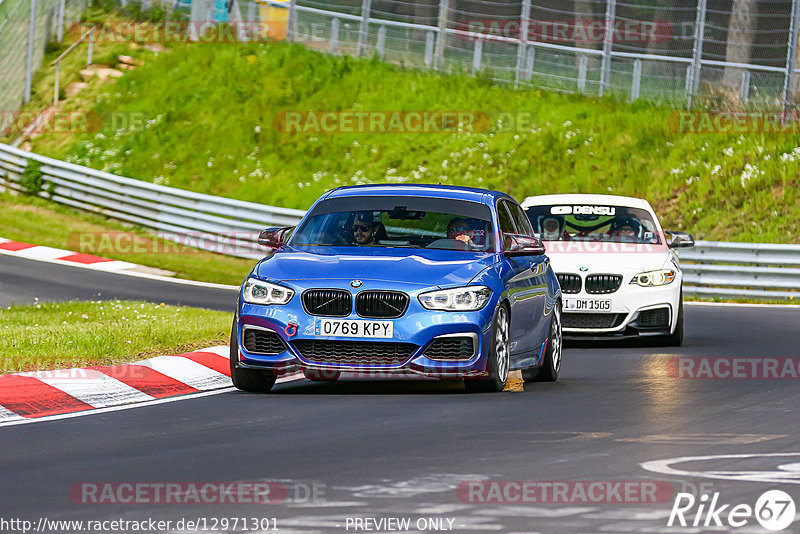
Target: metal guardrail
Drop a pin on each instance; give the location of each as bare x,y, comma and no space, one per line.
750,270
204,221
711,268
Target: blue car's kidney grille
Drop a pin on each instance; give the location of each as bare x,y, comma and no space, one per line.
598,284
451,348
328,302
362,353
262,342
381,304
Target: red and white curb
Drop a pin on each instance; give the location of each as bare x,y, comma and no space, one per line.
39,394
65,257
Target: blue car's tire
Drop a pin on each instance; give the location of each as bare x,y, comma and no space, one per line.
251,380
499,359
551,363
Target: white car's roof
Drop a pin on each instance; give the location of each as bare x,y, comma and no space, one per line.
608,200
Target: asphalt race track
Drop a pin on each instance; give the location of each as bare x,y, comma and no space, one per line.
23,280
400,450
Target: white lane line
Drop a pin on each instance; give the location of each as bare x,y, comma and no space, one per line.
116,408
187,371
92,387
8,415
166,400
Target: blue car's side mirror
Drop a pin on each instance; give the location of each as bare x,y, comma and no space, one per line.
275,237
521,245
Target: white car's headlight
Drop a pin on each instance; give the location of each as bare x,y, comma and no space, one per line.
259,292
467,298
661,277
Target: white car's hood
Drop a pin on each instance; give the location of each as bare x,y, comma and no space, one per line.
606,258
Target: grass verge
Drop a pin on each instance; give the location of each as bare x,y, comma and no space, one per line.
78,334
223,136
37,221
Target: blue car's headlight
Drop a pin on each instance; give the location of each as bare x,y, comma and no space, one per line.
259,292
654,278
468,298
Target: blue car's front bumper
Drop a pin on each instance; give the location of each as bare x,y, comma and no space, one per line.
417,329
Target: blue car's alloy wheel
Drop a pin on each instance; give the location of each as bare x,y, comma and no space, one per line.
499,357
551,364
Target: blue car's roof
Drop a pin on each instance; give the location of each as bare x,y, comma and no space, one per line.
419,190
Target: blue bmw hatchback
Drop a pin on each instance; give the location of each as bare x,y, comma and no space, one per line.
392,280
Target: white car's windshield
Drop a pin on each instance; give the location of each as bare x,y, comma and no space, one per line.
590,222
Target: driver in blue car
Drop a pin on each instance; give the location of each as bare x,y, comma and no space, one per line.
366,229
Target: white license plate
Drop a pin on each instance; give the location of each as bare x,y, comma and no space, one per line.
354,328
587,304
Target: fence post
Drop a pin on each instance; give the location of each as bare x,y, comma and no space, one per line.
637,79
363,30
608,40
430,40
525,16
334,40
291,21
529,62
791,56
477,53
444,7
60,23
380,45
29,59
91,47
583,64
693,73
55,90
744,89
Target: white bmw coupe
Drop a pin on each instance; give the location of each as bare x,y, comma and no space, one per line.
619,274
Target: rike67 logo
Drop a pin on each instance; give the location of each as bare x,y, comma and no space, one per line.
774,510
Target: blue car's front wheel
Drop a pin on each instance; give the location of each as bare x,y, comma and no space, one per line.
499,359
551,365
251,380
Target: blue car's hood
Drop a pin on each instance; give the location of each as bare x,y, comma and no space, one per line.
414,266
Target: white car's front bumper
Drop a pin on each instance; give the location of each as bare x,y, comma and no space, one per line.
631,310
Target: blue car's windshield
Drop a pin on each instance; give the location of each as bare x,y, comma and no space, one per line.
398,222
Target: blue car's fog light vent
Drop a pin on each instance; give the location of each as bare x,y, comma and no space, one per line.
262,342
570,283
598,284
382,304
451,348
359,353
328,302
